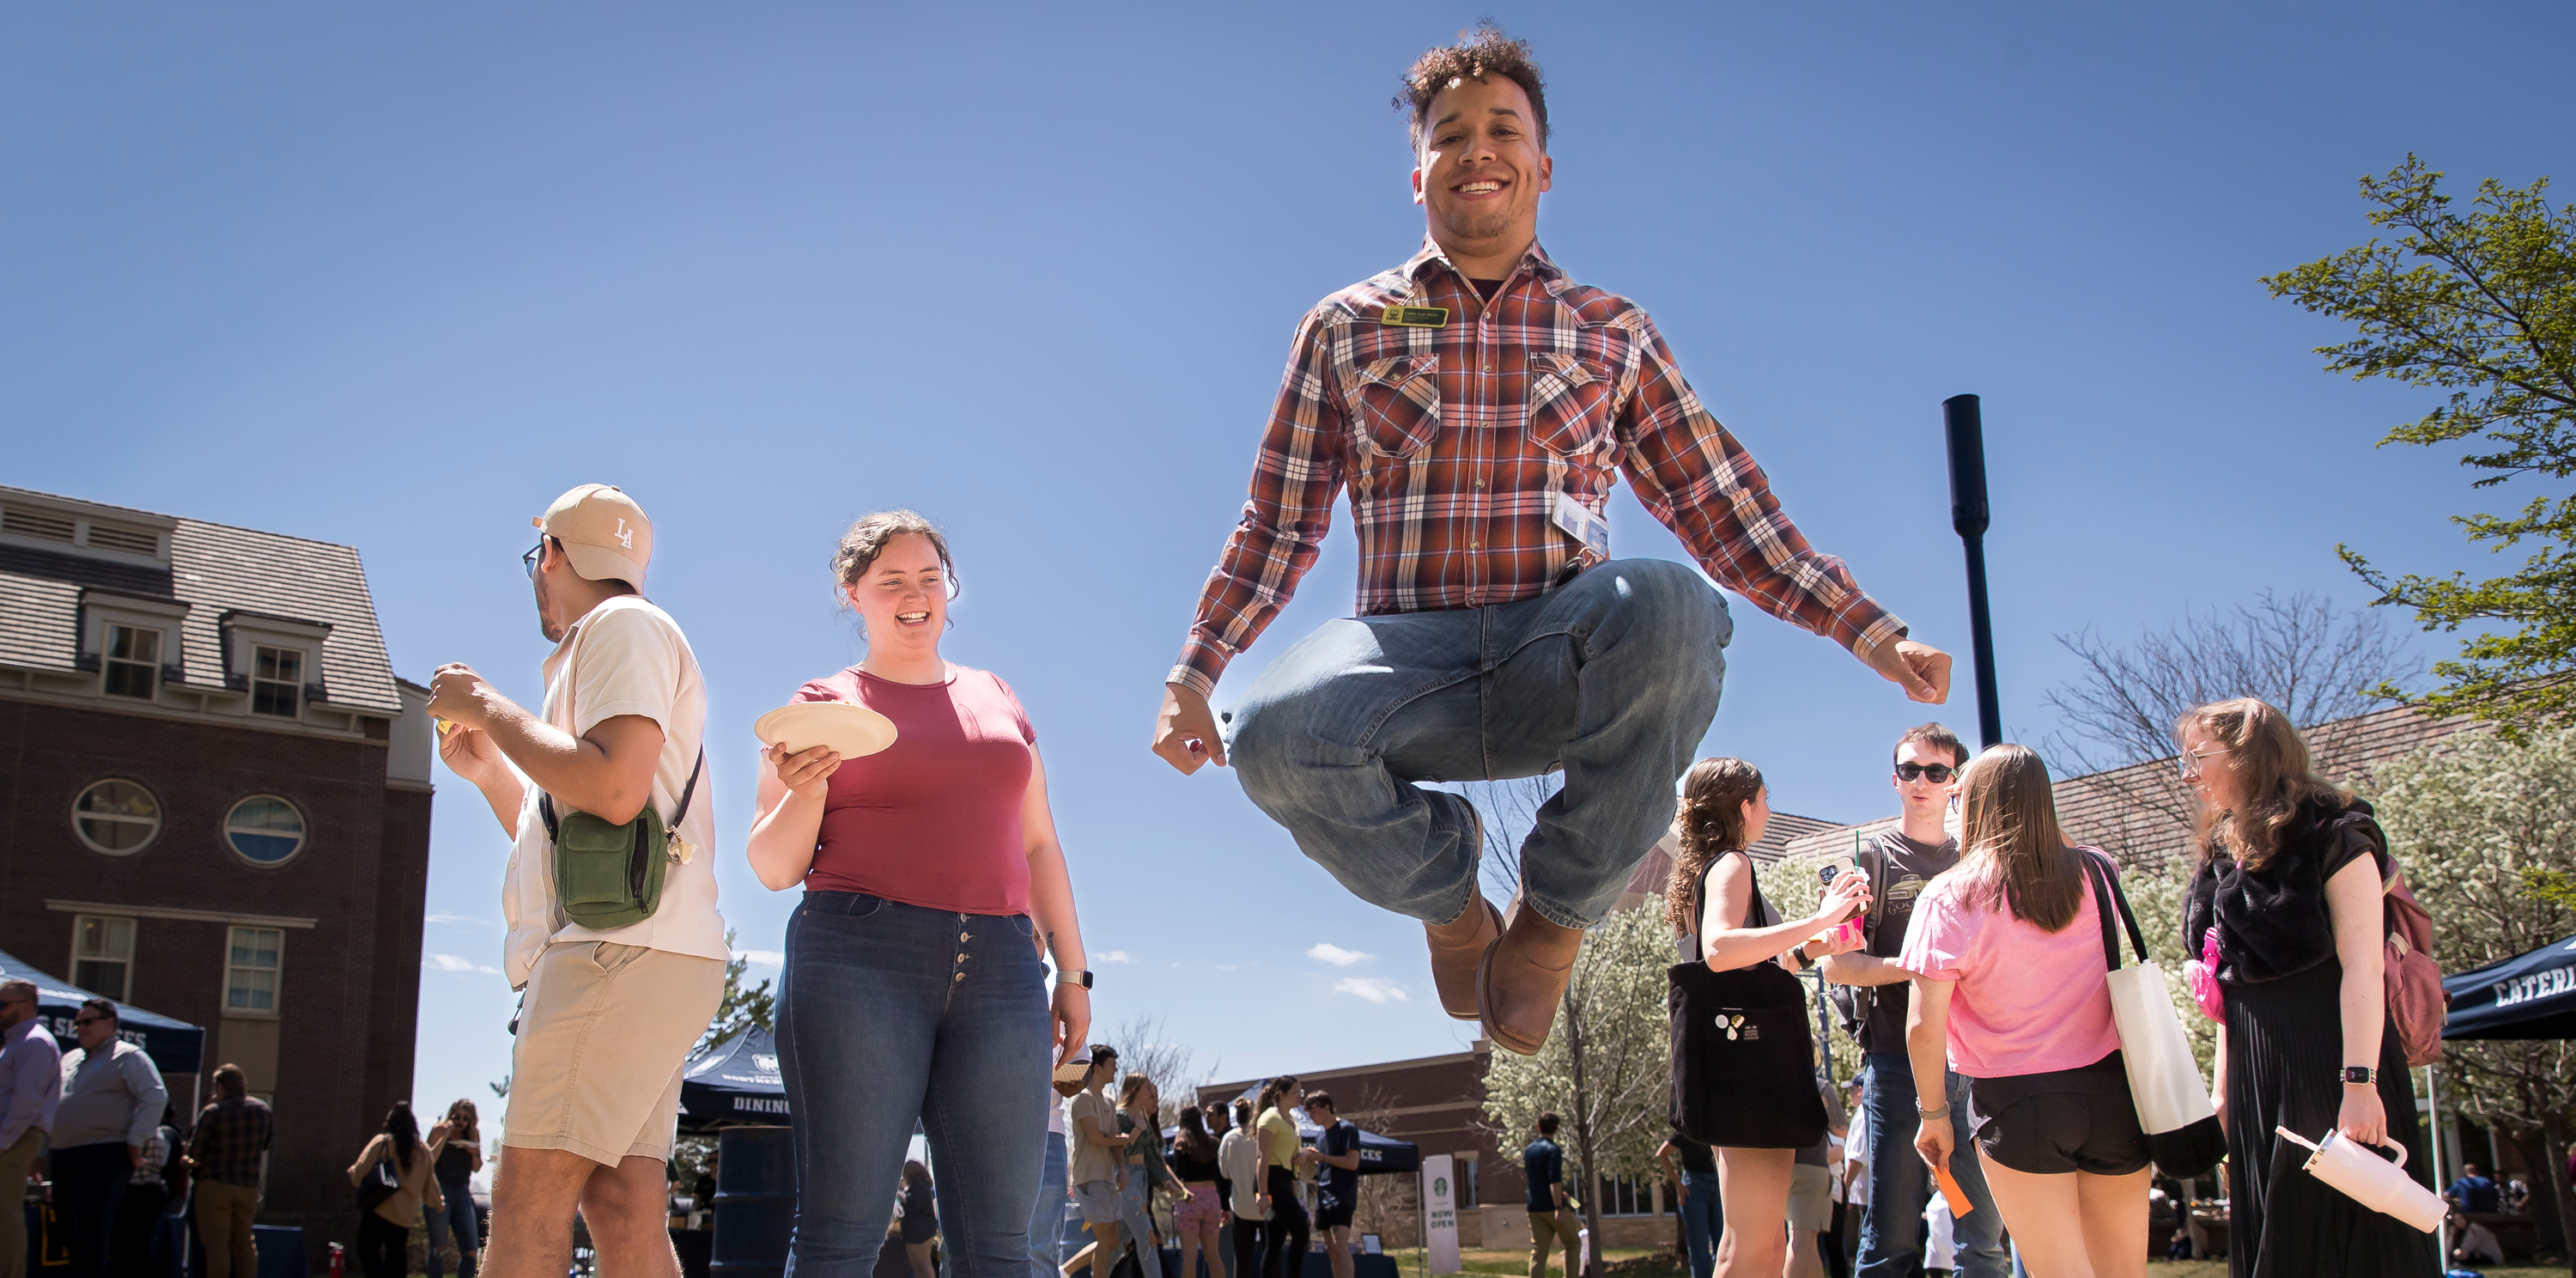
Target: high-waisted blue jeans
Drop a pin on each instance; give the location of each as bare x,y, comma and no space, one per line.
1613,677
890,1013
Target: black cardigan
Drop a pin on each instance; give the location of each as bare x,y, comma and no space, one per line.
2272,922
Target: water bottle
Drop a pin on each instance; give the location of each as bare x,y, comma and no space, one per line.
2371,1180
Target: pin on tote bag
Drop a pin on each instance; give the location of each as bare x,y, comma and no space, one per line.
2183,1136
1743,1052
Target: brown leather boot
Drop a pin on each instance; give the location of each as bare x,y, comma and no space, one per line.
1523,979
1457,948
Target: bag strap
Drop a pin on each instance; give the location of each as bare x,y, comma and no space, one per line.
1699,902
1877,890
2103,904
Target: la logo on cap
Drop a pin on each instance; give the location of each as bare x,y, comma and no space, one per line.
605,535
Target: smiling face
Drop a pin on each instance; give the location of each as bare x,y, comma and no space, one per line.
1481,168
903,598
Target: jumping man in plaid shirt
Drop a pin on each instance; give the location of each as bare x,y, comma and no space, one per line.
1479,405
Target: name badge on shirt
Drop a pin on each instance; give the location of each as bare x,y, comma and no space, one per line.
1415,316
1582,525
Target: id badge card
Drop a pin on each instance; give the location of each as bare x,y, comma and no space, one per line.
1582,525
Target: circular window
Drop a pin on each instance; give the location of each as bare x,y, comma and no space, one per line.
116,817
265,829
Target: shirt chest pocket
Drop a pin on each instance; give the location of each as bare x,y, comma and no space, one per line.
1395,404
1573,395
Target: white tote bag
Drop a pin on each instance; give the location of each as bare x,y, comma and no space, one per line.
2183,1136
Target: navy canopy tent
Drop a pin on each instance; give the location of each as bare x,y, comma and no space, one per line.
175,1046
733,1084
2531,995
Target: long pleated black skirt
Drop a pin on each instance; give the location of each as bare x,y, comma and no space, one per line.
2284,1068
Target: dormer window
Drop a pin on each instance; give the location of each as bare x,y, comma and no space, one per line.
133,663
277,682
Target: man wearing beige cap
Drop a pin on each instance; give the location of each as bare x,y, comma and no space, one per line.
606,1016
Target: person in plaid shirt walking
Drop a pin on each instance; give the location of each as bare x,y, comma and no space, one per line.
231,1140
1479,404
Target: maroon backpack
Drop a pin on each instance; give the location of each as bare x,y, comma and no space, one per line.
2416,1003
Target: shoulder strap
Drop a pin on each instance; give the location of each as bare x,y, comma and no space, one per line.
1878,888
1753,907
2105,902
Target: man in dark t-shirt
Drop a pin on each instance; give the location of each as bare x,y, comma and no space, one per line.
1337,1179
1703,1220
1898,863
1543,1169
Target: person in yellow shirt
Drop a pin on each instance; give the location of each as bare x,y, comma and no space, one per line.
1287,1228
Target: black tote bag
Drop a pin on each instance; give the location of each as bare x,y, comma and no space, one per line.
1744,1070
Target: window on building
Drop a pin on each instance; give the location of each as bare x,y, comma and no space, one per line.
277,681
1626,1196
1467,1196
133,666
250,974
265,829
116,817
103,955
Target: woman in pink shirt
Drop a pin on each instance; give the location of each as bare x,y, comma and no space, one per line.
912,991
2006,955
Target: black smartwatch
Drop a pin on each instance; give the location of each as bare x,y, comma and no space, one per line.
2359,1076
1076,976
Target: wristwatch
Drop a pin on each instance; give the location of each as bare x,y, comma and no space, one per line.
1073,976
2359,1076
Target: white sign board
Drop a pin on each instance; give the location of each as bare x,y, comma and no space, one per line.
1440,1212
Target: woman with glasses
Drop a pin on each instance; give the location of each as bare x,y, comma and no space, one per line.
2292,870
912,992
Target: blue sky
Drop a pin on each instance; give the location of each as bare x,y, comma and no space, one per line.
393,276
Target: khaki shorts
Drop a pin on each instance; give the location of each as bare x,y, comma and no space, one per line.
602,1036
1811,1198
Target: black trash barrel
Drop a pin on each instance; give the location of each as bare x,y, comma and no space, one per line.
755,1202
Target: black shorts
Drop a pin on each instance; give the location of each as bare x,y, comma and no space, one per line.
2067,1120
1332,1209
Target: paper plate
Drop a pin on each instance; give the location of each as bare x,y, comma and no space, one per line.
851,729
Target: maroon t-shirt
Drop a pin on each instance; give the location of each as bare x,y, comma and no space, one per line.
934,819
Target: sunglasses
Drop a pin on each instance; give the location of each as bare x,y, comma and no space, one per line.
89,1020
1938,773
529,560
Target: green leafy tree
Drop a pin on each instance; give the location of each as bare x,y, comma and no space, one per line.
2480,302
1607,1067
744,1006
2484,826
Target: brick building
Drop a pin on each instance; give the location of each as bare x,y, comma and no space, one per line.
218,809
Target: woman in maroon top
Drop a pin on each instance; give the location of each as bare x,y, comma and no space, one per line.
912,991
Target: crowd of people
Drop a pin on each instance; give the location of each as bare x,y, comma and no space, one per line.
1991,1055
99,1126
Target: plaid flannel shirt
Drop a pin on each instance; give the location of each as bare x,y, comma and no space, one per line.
1455,440
231,1135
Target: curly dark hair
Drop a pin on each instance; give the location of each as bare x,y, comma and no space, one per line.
1714,793
1483,52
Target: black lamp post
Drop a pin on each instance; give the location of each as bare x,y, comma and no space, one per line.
1961,422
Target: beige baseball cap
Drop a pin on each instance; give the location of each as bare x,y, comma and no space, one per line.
603,531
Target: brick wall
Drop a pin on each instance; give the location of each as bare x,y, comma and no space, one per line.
342,1039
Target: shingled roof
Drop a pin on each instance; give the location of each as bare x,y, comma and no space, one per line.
216,569
2140,813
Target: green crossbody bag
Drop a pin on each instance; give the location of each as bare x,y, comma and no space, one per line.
607,875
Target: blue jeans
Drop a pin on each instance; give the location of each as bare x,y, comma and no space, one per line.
456,1218
1046,1219
1703,1221
1891,1240
1613,677
1136,1220
890,1014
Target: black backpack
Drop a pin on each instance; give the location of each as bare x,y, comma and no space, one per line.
1854,1003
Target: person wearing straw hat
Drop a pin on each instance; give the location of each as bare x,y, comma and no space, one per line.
607,1014
913,992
